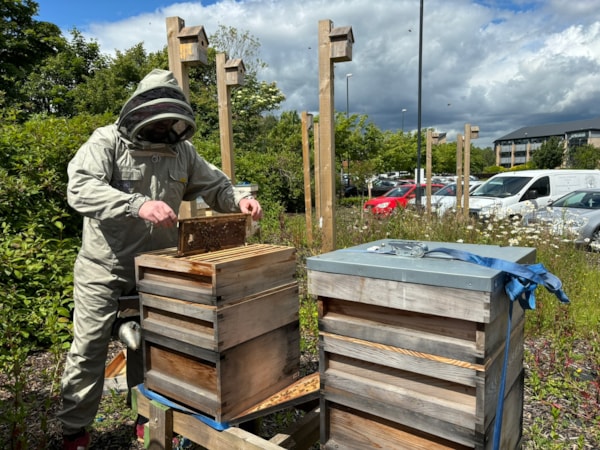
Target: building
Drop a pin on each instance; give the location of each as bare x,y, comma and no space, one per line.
516,148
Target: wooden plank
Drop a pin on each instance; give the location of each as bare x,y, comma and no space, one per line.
194,396
216,277
301,391
160,426
495,331
199,293
253,371
256,315
179,320
459,304
402,415
202,434
354,429
218,329
426,323
158,340
454,408
457,371
411,339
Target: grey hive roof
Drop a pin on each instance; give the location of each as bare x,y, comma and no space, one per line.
552,129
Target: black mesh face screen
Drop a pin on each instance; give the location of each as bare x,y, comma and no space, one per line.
162,120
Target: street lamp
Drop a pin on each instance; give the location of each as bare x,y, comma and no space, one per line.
348,75
403,111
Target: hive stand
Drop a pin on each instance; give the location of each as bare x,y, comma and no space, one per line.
165,422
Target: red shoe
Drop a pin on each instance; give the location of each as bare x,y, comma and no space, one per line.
139,432
80,441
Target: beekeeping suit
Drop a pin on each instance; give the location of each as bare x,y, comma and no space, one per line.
144,160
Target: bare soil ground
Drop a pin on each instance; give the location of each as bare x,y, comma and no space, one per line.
567,421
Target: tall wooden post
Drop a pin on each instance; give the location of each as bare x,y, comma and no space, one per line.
326,138
306,125
186,46
467,171
179,69
471,132
225,125
335,45
459,170
317,155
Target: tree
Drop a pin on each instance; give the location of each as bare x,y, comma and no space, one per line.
24,43
107,88
549,155
51,88
584,157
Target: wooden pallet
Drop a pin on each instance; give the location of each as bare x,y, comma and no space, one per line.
165,422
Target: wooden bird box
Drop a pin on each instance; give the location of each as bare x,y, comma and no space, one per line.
234,72
341,39
474,132
193,45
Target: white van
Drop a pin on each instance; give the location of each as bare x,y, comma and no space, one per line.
513,194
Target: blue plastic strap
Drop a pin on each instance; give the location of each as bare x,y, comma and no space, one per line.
219,426
523,278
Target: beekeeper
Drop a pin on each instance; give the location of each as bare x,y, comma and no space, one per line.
128,181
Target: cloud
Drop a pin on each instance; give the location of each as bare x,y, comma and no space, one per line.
500,65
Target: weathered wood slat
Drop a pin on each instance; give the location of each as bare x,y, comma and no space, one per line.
216,277
219,328
301,391
181,391
255,370
357,430
445,368
228,382
407,338
454,408
439,301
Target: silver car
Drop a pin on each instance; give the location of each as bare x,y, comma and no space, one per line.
575,215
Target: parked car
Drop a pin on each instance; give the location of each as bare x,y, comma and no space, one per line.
575,215
445,199
354,191
397,197
513,194
382,185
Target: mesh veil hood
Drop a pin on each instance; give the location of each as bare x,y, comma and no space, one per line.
158,98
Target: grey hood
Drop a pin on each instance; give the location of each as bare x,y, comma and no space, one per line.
158,98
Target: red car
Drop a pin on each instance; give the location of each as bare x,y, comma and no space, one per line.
397,197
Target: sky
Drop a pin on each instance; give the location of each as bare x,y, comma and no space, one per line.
499,65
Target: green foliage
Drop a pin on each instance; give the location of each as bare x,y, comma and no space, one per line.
36,283
51,89
584,157
549,155
24,42
33,171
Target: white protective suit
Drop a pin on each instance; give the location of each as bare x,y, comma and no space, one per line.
110,177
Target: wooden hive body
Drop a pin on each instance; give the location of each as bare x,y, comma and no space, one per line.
220,329
411,350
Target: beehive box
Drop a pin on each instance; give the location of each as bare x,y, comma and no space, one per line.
220,329
411,349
